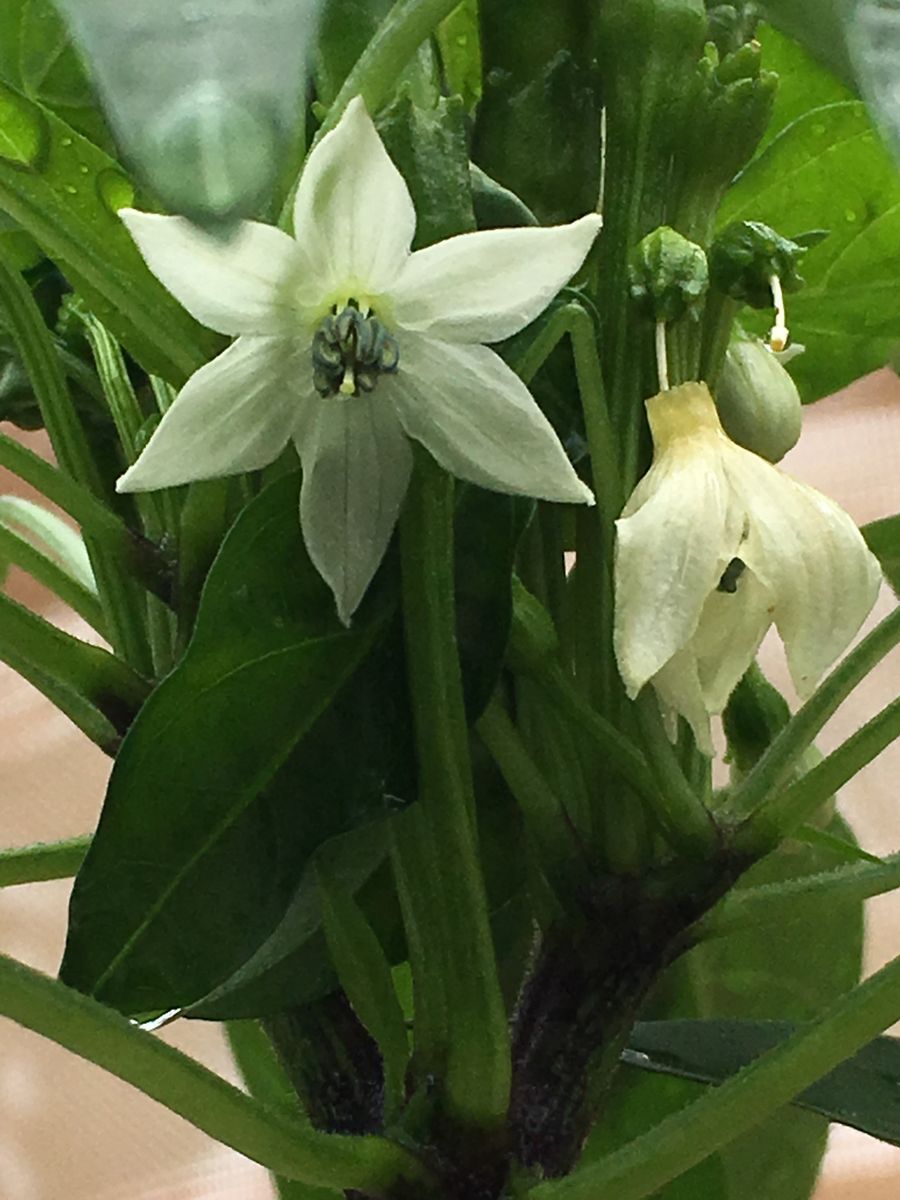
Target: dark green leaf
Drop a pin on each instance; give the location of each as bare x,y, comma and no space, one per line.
883,539
863,1092
828,170
186,874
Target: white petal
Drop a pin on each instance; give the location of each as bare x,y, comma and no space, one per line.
813,559
677,533
248,284
483,287
731,627
353,213
235,414
356,468
478,419
678,689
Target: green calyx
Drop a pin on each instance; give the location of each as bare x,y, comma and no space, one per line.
744,258
668,275
350,351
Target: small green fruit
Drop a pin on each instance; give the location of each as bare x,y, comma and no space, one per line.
758,402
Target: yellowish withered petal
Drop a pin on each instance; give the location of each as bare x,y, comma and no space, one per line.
714,546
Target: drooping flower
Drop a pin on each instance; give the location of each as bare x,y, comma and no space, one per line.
350,345
714,546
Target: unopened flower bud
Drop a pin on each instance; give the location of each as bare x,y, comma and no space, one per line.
668,275
758,402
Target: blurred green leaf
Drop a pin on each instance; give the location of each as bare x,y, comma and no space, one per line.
459,45
828,170
803,83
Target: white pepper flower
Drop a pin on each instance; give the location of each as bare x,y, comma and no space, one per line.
714,546
349,345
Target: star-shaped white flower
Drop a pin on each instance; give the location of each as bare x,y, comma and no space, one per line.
714,546
350,345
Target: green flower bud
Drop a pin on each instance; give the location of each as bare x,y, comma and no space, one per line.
668,275
758,402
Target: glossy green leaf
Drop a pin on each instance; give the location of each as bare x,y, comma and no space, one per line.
818,26
49,531
68,200
803,83
883,539
459,45
828,170
863,1092
204,790
37,59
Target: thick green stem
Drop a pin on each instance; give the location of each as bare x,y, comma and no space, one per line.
780,815
121,600
768,775
42,862
269,1136
678,1143
478,1062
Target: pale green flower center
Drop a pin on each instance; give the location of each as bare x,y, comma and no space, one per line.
351,349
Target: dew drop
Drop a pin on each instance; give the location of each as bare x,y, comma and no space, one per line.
818,129
23,131
115,190
72,191
84,169
850,215
66,141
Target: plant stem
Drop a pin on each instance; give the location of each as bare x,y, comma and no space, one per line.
122,602
645,1165
20,552
374,77
780,815
42,862
685,820
798,734
269,1136
478,1063
797,899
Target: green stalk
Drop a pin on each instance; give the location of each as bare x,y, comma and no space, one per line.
120,598
543,812
19,552
685,820
266,1135
478,1058
643,1166
797,899
95,690
374,77
42,862
768,774
782,814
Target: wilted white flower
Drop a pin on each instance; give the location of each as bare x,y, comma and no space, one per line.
349,345
714,546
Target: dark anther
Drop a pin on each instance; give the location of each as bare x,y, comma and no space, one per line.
730,576
350,351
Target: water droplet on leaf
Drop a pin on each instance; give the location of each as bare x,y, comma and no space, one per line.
115,190
23,131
